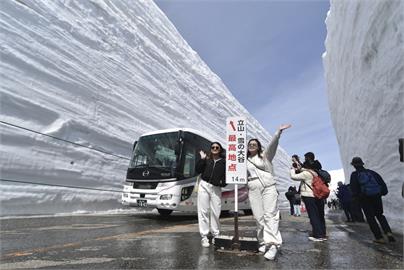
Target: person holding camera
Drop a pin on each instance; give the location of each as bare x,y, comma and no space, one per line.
213,178
314,206
263,195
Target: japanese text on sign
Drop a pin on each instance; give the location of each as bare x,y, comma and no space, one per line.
236,156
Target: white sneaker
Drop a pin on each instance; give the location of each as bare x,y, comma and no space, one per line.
311,238
205,242
262,249
271,253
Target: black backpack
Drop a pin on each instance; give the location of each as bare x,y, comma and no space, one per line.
324,175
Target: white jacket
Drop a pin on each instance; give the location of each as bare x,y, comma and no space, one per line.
305,178
262,167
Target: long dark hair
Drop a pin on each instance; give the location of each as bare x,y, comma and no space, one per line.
259,148
221,153
296,157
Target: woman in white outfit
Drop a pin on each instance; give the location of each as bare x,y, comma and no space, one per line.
263,194
213,169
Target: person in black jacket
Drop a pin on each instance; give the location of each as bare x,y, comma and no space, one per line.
368,186
213,169
310,157
290,195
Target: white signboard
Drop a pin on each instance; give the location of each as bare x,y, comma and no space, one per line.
236,151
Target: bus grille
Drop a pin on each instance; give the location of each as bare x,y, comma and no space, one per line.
142,185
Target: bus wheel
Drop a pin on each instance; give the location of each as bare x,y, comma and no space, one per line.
165,212
247,212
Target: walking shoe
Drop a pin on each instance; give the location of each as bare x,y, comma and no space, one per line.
262,249
314,239
205,242
379,241
390,237
271,253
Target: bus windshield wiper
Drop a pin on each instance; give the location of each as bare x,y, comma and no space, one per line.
141,166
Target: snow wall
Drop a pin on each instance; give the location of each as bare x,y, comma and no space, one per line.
97,73
364,67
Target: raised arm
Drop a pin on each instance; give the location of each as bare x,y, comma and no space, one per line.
270,152
299,176
201,164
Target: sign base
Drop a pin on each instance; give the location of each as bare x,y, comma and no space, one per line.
225,242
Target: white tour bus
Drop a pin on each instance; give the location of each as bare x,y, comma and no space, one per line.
162,175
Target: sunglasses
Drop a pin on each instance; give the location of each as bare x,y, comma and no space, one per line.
252,144
215,148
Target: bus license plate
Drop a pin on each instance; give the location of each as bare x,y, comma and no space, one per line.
142,203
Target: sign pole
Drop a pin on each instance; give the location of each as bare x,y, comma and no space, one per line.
236,164
236,239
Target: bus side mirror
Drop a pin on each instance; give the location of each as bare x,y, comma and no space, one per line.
177,149
134,145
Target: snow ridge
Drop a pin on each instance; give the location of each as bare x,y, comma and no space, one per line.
364,67
97,73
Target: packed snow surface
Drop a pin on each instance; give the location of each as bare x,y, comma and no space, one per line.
99,74
364,66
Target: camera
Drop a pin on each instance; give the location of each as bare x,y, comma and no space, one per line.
294,165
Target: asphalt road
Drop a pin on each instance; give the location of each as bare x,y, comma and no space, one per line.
147,241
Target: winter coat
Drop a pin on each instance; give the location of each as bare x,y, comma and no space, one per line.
305,178
213,171
344,194
262,168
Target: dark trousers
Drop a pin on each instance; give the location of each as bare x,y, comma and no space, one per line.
373,208
346,206
292,210
315,210
356,210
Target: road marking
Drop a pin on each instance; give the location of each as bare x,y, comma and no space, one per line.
47,263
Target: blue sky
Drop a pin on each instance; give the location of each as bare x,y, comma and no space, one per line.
268,54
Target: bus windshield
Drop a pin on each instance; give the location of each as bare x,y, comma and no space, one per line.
156,151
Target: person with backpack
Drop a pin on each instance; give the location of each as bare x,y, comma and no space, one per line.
310,157
290,197
296,203
369,187
263,194
314,206
345,198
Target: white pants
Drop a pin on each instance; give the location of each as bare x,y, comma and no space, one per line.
209,196
296,209
264,204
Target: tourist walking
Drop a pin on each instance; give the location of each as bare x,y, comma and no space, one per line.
369,187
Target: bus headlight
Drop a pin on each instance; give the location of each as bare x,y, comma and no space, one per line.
166,197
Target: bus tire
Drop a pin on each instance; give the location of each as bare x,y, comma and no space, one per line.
247,212
165,212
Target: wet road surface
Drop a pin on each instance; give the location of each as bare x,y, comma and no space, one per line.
148,241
